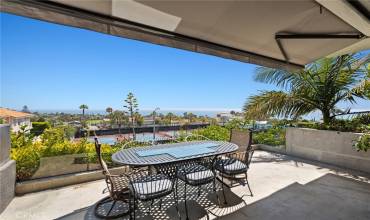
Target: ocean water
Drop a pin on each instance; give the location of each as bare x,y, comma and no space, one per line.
144,112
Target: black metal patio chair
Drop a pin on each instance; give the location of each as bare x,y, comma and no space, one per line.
196,173
117,203
242,138
235,166
146,187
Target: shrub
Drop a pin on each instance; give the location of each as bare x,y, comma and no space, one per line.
363,143
39,127
20,139
358,124
307,124
27,161
214,132
237,124
273,136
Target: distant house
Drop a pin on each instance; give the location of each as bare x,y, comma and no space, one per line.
224,117
262,125
16,119
75,123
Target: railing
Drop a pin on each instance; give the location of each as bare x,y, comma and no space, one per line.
141,129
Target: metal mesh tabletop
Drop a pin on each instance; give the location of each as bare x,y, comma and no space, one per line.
167,153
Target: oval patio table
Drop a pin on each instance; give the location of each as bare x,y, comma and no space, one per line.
168,153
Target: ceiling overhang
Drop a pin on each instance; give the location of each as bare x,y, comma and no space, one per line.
220,31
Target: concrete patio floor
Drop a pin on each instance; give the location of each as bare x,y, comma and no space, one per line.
284,187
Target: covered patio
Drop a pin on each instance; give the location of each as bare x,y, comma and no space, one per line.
277,34
284,187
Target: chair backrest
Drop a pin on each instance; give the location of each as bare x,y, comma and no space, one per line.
242,138
100,157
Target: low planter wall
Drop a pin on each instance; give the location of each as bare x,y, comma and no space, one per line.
36,185
65,164
276,149
332,147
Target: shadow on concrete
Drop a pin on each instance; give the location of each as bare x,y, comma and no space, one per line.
328,197
200,207
299,162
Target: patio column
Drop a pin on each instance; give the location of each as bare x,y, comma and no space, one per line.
7,169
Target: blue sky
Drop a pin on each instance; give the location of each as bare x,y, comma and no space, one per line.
48,66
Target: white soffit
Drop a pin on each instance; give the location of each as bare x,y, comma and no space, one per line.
242,30
349,14
135,11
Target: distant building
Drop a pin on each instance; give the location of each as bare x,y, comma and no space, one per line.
224,117
16,119
148,120
262,125
75,123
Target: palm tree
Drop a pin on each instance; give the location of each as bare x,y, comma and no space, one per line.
132,109
364,85
119,118
320,86
83,107
109,111
191,117
170,116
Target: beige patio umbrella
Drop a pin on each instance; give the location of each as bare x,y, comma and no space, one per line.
274,33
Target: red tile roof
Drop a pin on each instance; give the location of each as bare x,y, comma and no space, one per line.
4,112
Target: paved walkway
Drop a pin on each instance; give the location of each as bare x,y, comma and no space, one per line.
284,188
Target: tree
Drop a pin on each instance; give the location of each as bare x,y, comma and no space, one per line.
170,116
139,119
364,85
25,109
83,107
132,109
119,118
320,86
191,117
39,127
109,110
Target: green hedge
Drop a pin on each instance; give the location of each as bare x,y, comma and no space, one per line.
39,127
273,136
214,132
363,143
358,124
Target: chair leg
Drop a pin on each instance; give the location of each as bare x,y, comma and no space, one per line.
134,208
177,204
160,204
214,190
246,180
223,189
111,208
186,205
150,207
198,191
130,208
176,190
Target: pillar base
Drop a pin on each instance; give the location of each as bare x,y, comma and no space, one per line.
7,183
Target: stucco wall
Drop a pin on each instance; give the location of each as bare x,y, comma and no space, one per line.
331,147
7,168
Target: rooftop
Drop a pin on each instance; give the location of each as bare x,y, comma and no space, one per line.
4,112
284,187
